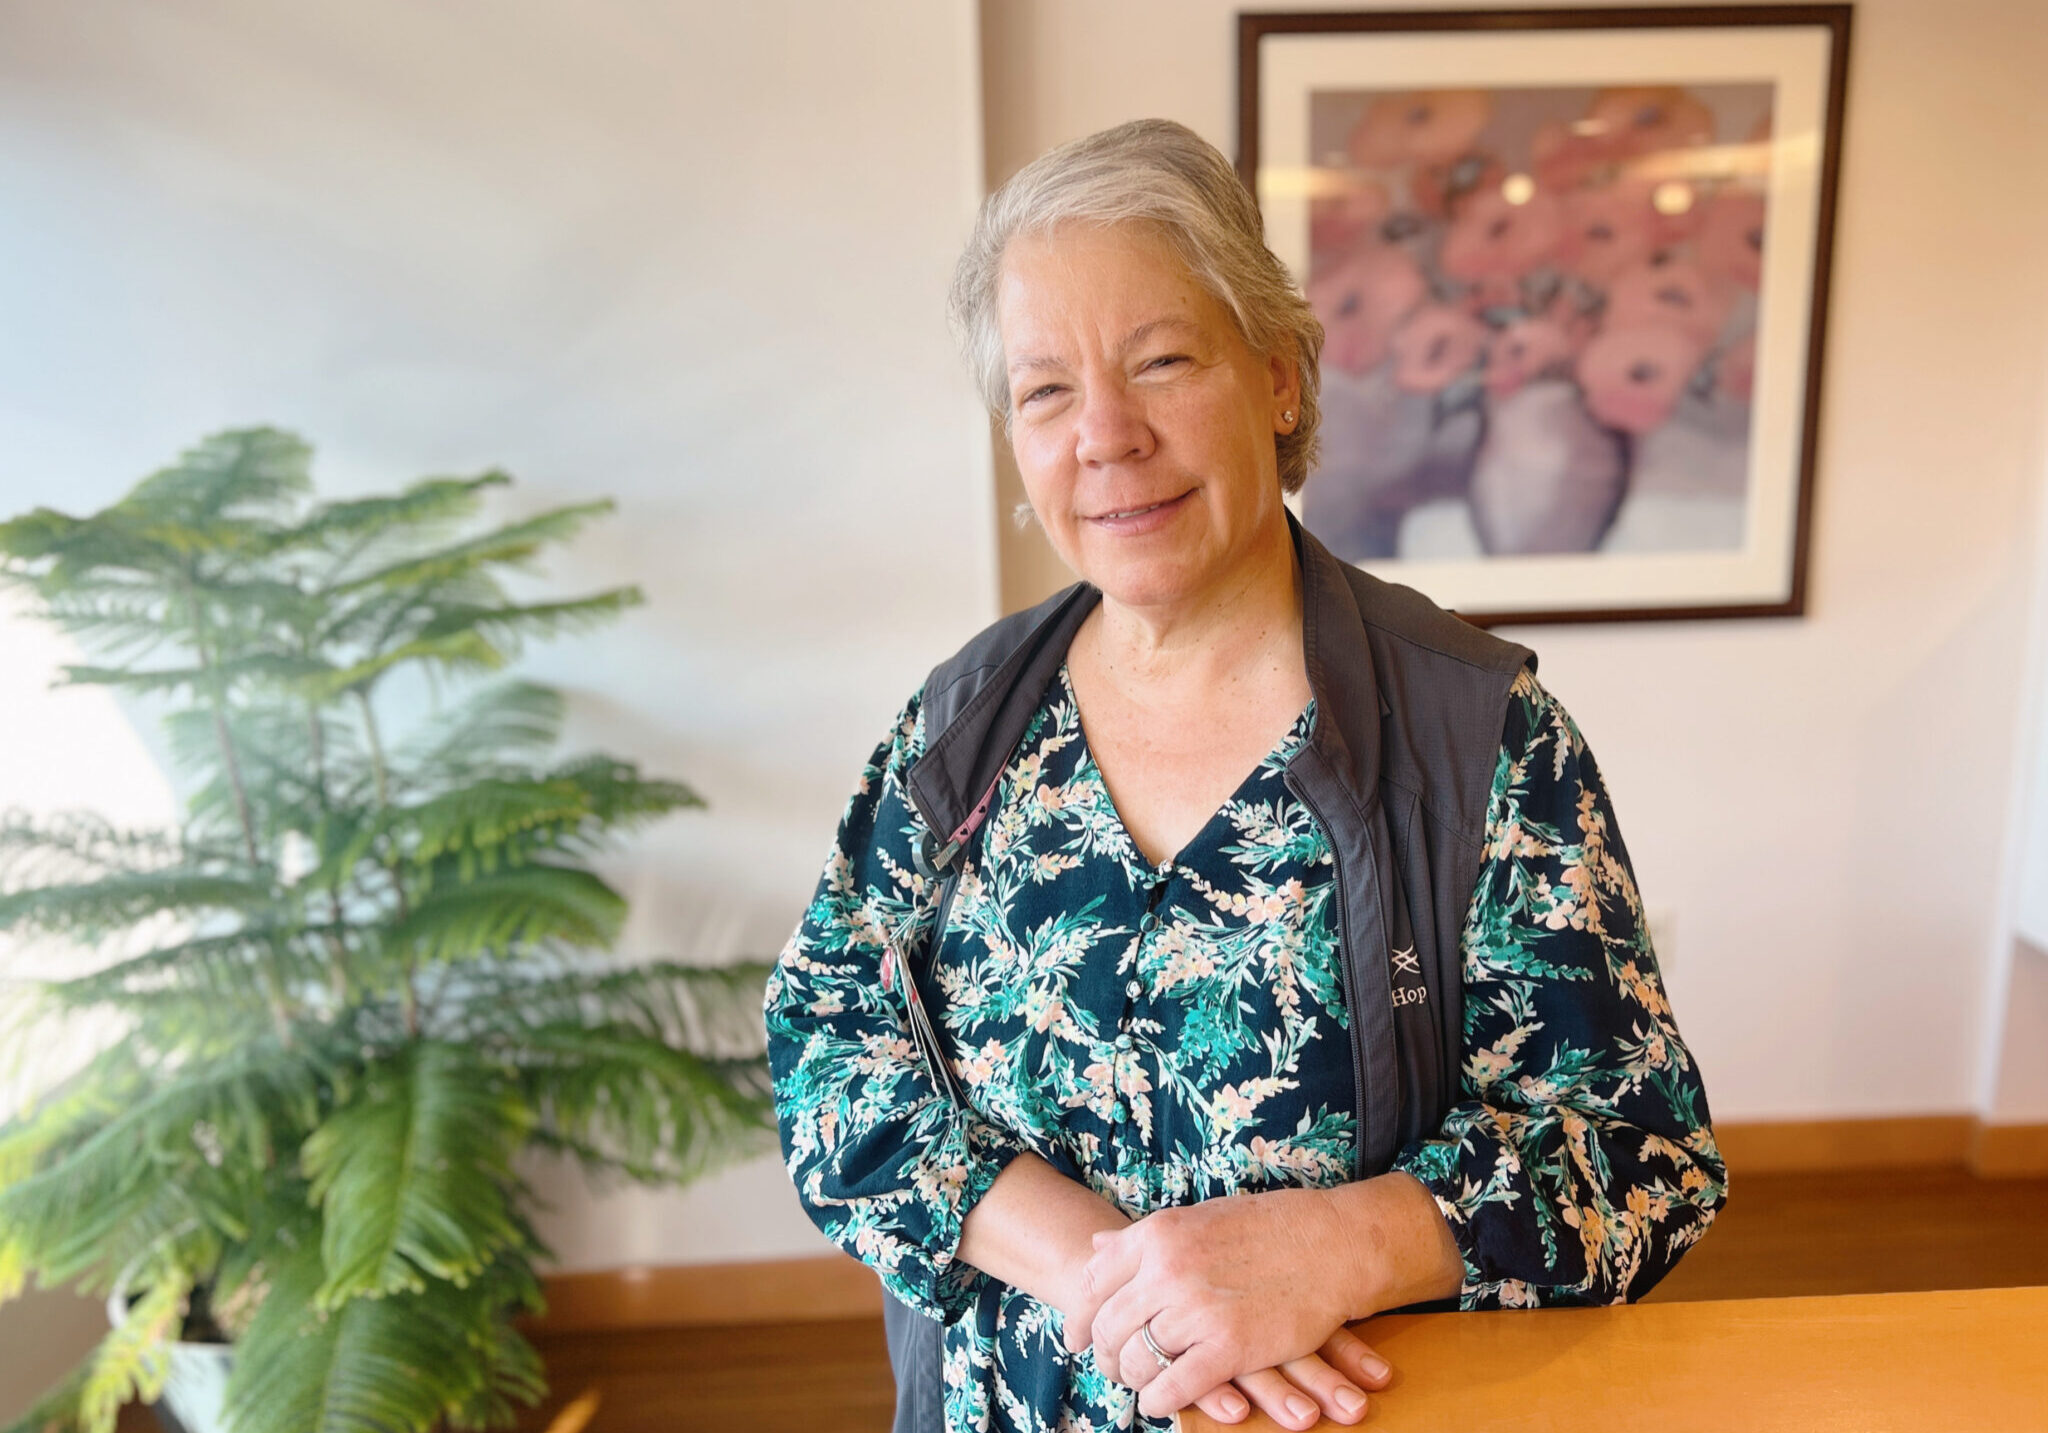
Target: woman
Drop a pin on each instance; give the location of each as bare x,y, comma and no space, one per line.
1141,1074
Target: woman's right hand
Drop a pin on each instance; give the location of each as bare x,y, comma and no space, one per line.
1034,1230
1325,1384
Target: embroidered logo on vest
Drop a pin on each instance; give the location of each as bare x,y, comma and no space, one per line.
1406,962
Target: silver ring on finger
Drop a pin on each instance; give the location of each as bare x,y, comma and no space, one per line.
1152,1345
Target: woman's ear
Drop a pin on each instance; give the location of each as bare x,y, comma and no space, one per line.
1285,370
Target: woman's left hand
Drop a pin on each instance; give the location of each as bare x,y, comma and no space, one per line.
1230,1286
1329,1383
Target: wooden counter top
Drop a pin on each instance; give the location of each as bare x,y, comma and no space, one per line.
1863,1363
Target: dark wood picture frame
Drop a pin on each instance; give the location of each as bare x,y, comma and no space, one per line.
1834,19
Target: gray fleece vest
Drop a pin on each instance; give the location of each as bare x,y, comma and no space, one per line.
1410,705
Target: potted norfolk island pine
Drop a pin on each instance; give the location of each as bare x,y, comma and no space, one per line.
366,972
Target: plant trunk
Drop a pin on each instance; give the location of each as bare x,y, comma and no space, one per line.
409,993
216,699
337,949
216,696
234,770
376,749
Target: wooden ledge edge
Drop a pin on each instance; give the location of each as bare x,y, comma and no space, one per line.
835,1286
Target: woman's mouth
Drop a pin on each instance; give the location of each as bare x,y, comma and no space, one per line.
1143,518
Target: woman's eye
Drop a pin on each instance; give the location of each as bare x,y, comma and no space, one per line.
1043,391
1167,360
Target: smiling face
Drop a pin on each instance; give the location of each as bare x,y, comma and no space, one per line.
1142,422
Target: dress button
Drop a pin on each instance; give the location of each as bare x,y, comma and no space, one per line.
1148,922
1117,1113
1134,989
1124,1042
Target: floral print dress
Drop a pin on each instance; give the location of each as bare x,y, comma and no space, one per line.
1177,1032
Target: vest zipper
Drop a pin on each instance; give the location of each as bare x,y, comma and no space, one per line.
945,906
1344,943
942,1072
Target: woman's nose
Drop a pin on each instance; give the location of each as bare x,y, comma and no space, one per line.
1112,426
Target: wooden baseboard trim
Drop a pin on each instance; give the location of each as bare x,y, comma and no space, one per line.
770,1291
834,1286
2010,1151
1908,1142
1818,1146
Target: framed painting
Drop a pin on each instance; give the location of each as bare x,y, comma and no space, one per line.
1572,267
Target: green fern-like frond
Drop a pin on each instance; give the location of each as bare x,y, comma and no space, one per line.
412,1177
14,1257
66,1114
652,1071
95,908
197,519
497,910
404,1361
513,1378
618,798
227,969
505,724
707,1008
493,819
127,1155
170,681
348,527
243,472
125,625
276,756
510,545
134,1359
506,624
620,1099
458,651
73,845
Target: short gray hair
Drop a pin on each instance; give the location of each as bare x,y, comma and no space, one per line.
1164,176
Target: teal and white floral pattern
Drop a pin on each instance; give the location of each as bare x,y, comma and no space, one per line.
1174,1033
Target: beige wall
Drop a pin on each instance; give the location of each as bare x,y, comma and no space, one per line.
42,1336
2015,1059
693,257
2019,1089
1819,805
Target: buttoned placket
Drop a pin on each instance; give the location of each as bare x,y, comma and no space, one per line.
1157,880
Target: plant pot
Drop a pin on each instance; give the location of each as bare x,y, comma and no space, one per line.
198,1378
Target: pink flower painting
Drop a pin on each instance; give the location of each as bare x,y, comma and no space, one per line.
1541,307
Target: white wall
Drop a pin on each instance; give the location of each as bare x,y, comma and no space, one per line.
64,749
1820,804
2029,872
2014,1087
692,257
2028,869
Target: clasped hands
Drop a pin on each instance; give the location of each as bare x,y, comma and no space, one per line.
1247,1297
